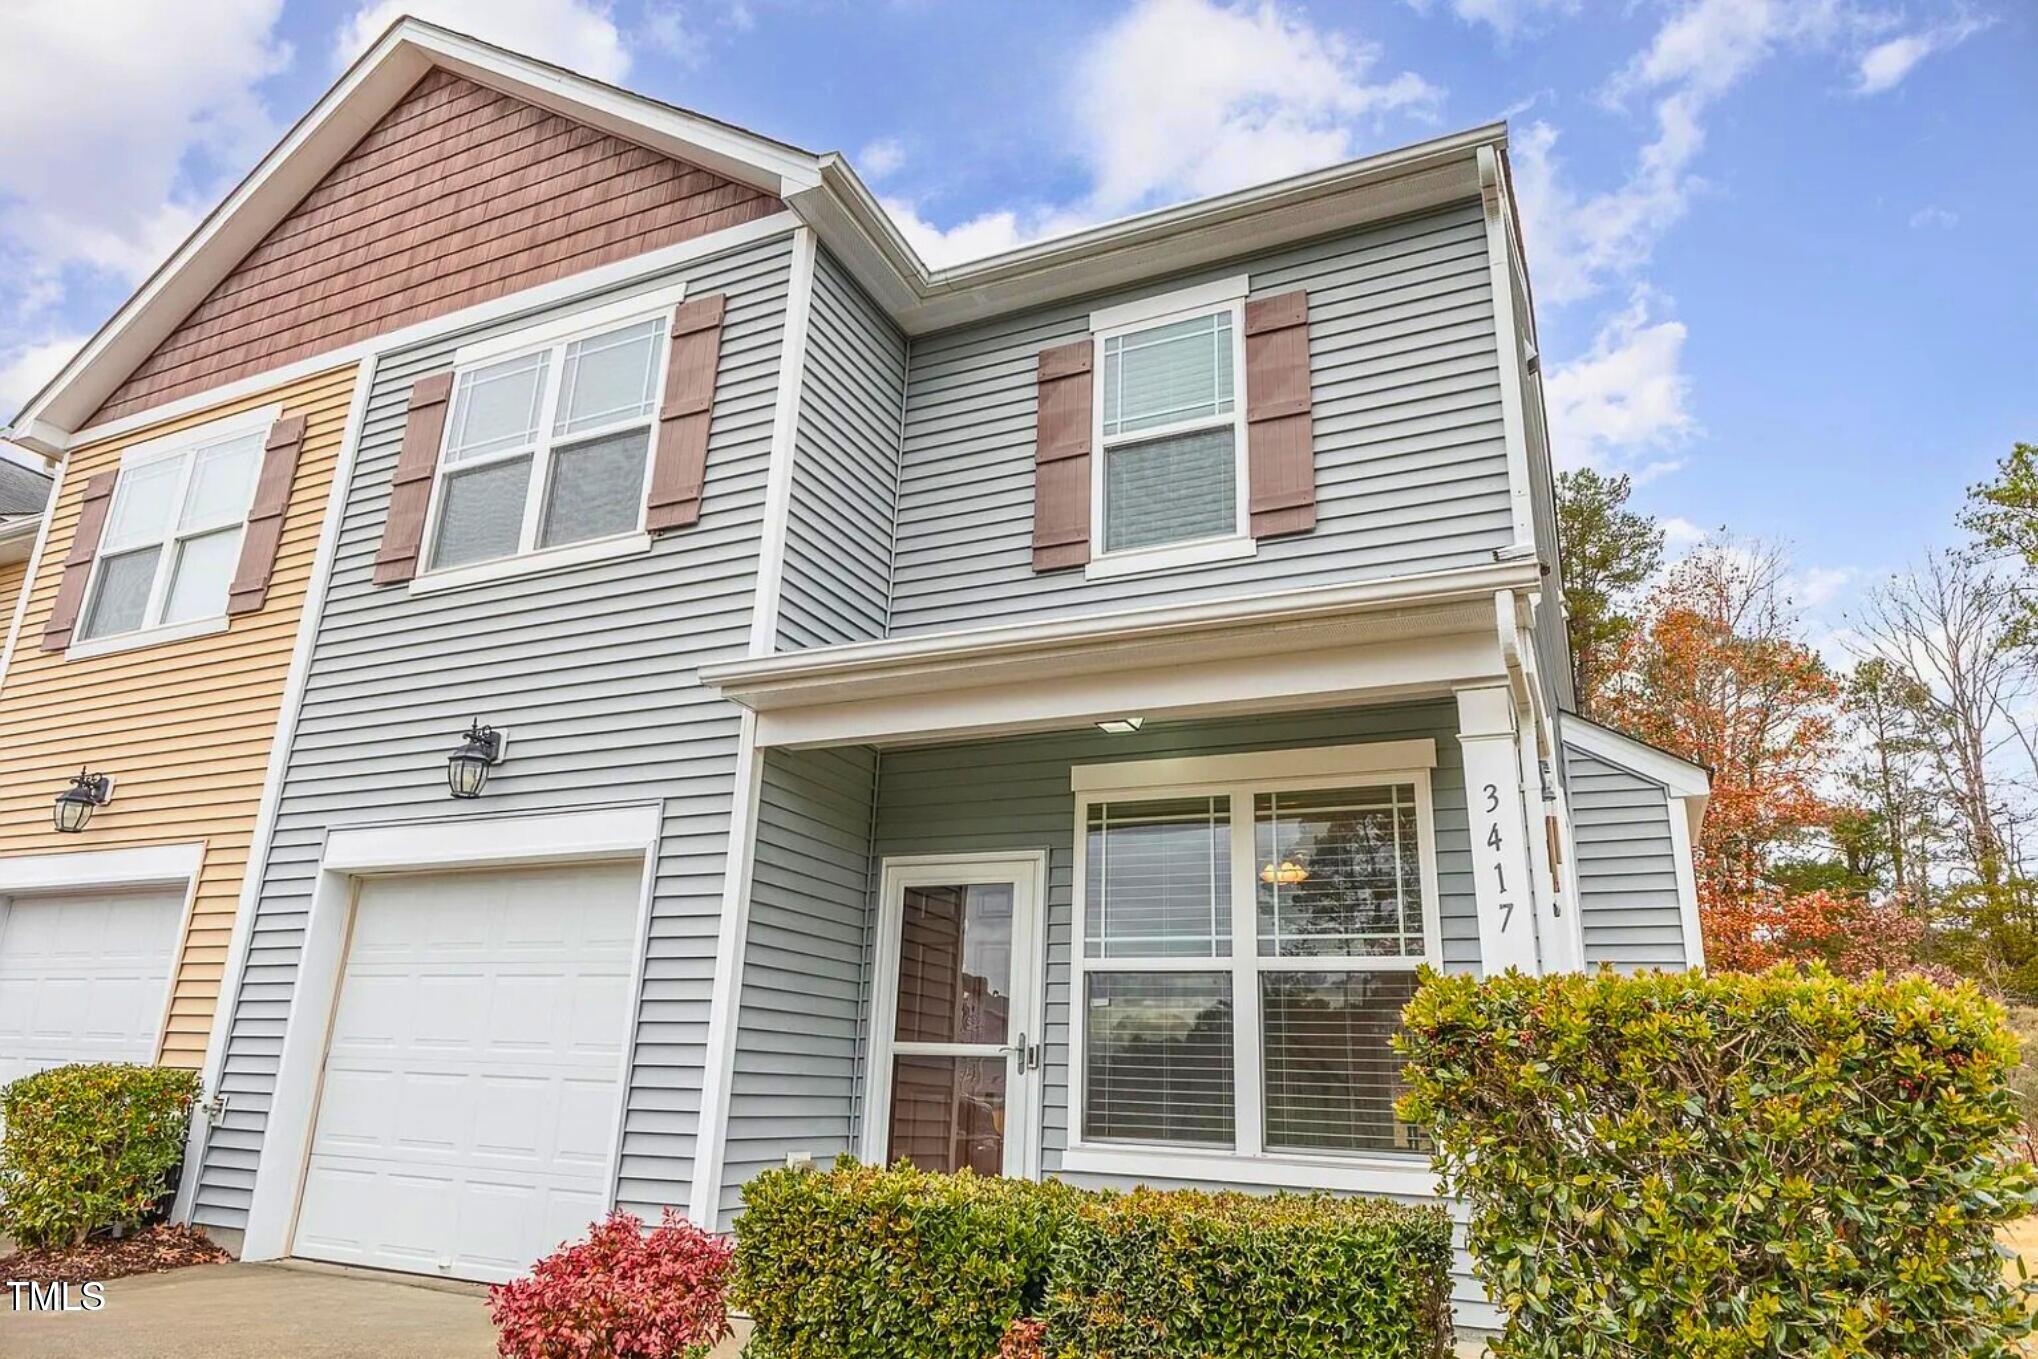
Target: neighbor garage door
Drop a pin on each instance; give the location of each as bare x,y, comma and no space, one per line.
84,978
467,1118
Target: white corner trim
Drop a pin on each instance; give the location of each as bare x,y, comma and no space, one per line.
785,419
492,841
254,421
544,334
1171,557
1682,824
42,533
141,637
530,564
1160,306
541,298
725,1004
1682,778
280,739
1409,1175
85,870
1371,757
1508,336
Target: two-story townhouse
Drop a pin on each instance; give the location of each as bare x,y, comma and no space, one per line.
770,699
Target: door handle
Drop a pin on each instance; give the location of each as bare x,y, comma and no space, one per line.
1018,1049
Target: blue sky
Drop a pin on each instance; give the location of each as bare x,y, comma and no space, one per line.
1786,254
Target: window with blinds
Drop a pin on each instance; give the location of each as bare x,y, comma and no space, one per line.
1185,1010
1168,416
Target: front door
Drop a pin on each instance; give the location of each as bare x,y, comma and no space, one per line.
956,1041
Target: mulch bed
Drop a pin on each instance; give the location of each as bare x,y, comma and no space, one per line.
152,1250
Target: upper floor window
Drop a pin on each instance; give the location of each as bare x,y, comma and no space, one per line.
173,533
548,446
1170,428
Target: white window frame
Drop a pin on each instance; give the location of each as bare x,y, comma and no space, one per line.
1187,304
1241,777
185,444
551,338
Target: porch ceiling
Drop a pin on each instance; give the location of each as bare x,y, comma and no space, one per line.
1346,644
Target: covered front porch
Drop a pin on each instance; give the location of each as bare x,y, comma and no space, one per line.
1134,899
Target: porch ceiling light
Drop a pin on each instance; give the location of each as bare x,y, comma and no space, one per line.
75,804
1121,726
480,751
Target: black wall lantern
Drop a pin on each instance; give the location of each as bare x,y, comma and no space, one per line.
76,803
467,768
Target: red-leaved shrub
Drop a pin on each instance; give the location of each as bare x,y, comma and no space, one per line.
1025,1338
623,1293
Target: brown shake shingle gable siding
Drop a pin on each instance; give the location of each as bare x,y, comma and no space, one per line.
460,194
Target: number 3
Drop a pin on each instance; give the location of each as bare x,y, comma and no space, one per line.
1492,798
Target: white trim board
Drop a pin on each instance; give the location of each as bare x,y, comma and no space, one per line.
42,534
479,842
1681,777
785,431
287,711
87,870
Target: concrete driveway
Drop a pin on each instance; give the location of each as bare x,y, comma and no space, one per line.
264,1311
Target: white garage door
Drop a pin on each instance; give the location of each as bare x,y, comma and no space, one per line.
473,1081
84,978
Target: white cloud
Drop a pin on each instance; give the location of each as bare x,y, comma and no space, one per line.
1680,535
1816,586
24,370
1935,216
1185,98
1626,397
123,123
580,35
881,157
1189,97
1884,66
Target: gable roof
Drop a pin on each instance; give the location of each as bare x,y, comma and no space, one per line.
23,490
822,190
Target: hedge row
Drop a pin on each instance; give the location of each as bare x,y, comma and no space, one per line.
1728,1166
863,1263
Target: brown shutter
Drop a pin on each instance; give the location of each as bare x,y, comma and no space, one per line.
679,462
410,493
56,634
259,541
1061,457
1279,448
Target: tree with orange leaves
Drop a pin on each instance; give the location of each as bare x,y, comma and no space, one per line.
1718,673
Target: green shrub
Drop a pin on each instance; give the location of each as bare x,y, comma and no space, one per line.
89,1147
1179,1275
1727,1166
890,1264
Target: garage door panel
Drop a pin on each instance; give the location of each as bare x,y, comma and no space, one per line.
84,977
472,1087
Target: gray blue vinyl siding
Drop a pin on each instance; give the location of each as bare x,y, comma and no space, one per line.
1627,866
838,558
1411,462
592,671
799,1029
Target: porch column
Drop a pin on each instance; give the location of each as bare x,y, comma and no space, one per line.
1501,880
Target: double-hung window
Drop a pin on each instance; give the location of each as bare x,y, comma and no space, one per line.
173,531
548,446
1170,475
1246,945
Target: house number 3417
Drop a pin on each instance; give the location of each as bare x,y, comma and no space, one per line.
1492,794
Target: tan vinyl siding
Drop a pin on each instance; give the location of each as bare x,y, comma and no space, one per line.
185,727
458,195
11,576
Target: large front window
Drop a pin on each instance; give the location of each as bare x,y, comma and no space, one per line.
548,447
1245,953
